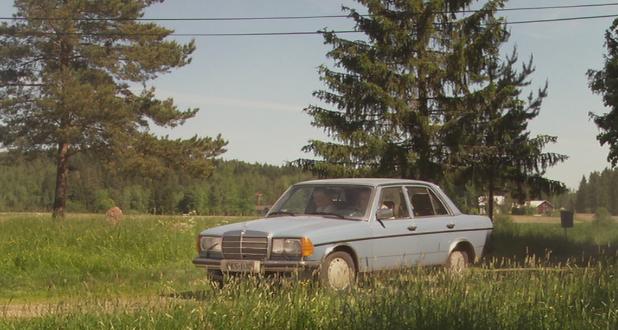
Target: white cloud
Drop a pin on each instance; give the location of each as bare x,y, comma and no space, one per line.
209,101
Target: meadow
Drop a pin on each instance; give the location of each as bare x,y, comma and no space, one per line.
86,273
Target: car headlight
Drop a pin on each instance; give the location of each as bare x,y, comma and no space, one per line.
292,247
210,244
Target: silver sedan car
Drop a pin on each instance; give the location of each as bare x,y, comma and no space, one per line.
335,229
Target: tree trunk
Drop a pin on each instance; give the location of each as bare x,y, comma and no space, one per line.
62,173
490,201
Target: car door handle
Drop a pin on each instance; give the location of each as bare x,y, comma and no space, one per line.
412,227
450,225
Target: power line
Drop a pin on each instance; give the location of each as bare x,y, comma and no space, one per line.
292,33
549,20
248,34
175,18
290,17
240,34
562,19
551,7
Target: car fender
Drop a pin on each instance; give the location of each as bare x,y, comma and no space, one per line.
344,246
468,244
331,248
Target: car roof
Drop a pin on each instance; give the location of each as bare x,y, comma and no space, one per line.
365,181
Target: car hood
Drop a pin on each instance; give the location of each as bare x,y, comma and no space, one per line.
288,226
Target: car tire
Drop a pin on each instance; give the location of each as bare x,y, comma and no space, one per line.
337,271
457,261
216,278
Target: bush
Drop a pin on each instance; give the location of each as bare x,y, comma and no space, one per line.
75,206
502,223
518,211
556,212
188,203
503,218
602,216
103,201
523,210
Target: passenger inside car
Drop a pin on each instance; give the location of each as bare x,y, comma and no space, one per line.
393,198
422,205
363,199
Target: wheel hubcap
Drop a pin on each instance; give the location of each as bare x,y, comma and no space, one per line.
339,274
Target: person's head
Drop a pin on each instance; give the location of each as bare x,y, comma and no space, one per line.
362,198
321,197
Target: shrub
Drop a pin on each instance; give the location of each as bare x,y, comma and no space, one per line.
503,218
602,216
103,201
518,211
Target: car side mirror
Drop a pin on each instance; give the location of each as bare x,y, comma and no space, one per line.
383,214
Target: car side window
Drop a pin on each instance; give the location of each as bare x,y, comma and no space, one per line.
425,203
437,204
394,199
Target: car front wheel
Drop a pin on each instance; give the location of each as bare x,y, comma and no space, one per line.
216,277
337,271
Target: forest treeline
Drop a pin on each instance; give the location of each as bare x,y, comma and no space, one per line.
27,184
598,190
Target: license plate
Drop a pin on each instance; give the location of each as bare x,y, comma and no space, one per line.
240,266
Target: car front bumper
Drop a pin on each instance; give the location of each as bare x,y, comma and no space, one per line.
265,266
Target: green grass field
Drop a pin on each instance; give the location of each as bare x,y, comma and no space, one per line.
86,273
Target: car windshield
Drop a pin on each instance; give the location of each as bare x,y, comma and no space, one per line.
337,201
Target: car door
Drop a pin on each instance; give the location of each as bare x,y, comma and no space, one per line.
432,222
393,245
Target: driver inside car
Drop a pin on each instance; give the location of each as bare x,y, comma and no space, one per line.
323,201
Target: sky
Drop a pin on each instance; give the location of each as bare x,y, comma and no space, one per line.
252,90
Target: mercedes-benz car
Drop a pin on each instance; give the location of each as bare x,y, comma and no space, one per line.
335,229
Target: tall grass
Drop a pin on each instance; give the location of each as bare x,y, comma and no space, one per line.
584,243
419,299
86,255
85,273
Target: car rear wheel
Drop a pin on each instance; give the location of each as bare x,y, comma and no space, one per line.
457,261
337,271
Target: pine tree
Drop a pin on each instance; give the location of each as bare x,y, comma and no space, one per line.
594,192
67,78
613,195
581,200
605,189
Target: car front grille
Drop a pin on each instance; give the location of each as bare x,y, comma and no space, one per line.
245,247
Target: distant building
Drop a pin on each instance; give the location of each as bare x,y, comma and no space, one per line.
541,206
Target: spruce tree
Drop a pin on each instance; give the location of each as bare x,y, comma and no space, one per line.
491,143
605,83
391,92
68,78
428,96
